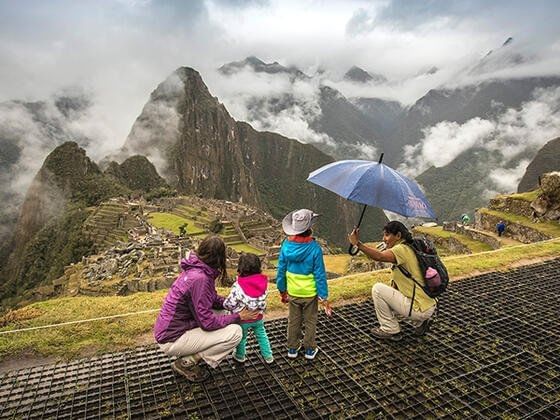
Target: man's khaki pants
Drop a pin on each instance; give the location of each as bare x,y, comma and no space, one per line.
302,311
211,346
391,306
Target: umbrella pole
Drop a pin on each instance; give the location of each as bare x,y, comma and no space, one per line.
353,249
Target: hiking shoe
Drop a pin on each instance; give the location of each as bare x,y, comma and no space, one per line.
311,353
379,333
194,372
423,328
239,359
293,353
269,360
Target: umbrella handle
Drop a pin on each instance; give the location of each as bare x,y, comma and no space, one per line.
353,249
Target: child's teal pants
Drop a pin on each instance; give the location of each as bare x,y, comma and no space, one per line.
260,335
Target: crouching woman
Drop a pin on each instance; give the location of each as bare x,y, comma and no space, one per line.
401,300
189,324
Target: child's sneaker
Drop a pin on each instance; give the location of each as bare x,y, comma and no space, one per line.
311,353
239,358
293,353
269,360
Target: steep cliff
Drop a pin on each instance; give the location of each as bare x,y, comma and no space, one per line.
546,160
200,149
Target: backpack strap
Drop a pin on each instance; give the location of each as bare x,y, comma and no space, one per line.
407,274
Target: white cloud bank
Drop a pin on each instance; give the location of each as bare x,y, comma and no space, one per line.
513,138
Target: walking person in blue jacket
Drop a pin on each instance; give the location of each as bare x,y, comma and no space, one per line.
301,280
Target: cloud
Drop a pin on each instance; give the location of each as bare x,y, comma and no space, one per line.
443,142
272,102
512,139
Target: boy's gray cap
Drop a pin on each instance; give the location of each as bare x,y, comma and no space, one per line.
298,221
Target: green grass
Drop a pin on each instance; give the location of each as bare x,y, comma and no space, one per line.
526,196
337,263
248,249
474,246
172,223
112,335
548,228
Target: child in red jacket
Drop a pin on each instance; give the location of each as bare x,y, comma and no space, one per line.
250,291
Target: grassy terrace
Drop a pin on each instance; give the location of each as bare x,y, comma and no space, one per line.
248,248
110,335
548,228
526,196
172,223
474,246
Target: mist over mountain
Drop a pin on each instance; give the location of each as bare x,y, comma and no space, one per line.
259,66
28,132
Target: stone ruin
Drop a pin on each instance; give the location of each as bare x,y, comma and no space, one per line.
149,260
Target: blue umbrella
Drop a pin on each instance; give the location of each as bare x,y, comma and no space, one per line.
374,184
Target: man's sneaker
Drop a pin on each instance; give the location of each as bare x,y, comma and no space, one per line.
238,358
194,372
269,360
293,353
423,328
379,333
311,353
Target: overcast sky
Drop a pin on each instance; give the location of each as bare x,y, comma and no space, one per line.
120,50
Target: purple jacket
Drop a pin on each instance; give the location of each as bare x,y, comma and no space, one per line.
190,301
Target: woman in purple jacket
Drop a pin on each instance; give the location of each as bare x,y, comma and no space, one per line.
189,325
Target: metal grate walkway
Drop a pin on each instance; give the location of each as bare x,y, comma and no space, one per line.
494,351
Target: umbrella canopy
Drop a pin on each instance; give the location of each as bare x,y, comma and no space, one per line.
374,184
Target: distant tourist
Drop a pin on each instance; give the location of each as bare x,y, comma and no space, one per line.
302,281
500,227
401,300
189,325
250,291
465,219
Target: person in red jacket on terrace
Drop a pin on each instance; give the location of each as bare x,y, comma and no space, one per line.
190,324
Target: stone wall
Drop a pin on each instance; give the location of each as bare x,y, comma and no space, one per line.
511,205
475,234
516,231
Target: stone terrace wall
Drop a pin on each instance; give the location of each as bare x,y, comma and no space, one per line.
474,234
516,231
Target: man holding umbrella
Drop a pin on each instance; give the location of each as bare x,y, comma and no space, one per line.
401,300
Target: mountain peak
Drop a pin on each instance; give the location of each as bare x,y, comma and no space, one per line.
259,66
357,74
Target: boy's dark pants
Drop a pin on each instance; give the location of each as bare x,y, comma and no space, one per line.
302,311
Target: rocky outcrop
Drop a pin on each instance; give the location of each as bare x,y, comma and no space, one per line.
511,205
547,204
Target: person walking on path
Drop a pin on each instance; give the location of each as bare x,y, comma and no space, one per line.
302,281
397,301
465,219
189,325
500,227
249,291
